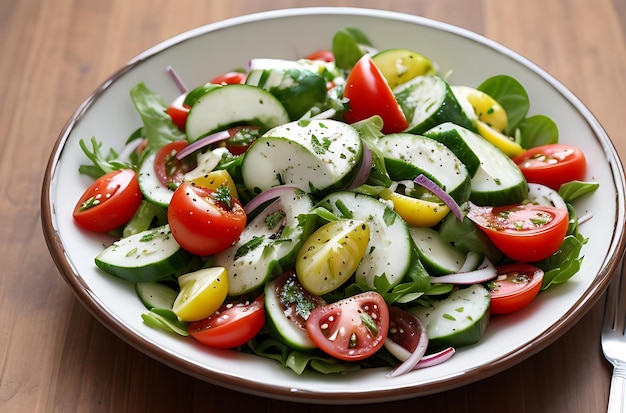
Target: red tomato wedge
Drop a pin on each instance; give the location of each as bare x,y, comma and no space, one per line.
516,286
178,111
323,55
404,328
234,324
350,329
168,169
370,95
230,78
523,232
205,221
552,165
110,202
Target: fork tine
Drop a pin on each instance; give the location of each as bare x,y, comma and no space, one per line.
614,338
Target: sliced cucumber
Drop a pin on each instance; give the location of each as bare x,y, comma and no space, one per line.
155,295
438,256
428,101
151,255
496,180
265,250
234,104
285,298
297,88
407,155
151,188
315,155
458,320
390,249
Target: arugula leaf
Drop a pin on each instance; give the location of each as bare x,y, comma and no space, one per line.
158,127
102,164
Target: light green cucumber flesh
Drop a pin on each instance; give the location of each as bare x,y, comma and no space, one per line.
407,155
261,253
458,320
497,180
155,295
316,155
151,188
151,255
428,101
279,324
231,105
438,256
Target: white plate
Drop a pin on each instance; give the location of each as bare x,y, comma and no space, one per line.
199,54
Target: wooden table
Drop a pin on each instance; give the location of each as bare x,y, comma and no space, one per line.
54,356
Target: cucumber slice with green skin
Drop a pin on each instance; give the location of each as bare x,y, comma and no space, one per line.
297,88
155,295
438,256
407,155
458,320
315,155
269,244
229,105
428,101
497,180
151,255
151,188
288,305
390,250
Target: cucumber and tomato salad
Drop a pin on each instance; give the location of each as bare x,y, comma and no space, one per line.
322,202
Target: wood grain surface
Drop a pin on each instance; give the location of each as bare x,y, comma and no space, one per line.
55,357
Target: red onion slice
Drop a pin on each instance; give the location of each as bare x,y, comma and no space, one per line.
364,169
203,142
268,195
435,358
441,194
485,272
177,80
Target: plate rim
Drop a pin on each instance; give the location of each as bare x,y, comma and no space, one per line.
92,303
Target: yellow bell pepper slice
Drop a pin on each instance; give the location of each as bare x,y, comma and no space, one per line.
416,212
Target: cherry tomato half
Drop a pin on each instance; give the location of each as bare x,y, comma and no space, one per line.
178,111
370,95
241,137
516,286
405,328
205,221
350,329
323,55
552,165
168,169
524,232
232,325
230,78
110,202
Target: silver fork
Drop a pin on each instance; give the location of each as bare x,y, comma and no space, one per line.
614,338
